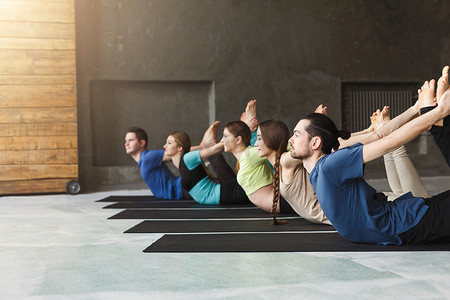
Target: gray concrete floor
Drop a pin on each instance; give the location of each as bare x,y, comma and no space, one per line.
64,247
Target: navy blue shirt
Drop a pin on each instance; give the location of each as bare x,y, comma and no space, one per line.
158,177
349,201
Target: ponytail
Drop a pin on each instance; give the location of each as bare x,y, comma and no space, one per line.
344,134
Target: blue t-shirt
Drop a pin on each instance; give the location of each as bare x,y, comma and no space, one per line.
205,191
158,177
349,203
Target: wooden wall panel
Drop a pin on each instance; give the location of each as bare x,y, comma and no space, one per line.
37,43
37,11
32,157
24,80
38,115
38,108
33,186
30,172
48,95
38,143
27,130
37,62
36,30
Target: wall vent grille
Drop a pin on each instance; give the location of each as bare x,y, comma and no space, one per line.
360,100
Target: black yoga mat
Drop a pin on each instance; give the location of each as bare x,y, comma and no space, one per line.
197,226
195,214
173,204
136,199
273,242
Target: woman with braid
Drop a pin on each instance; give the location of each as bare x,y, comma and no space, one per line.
272,140
255,175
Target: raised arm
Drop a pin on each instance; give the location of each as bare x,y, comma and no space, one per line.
408,131
400,120
378,120
212,150
288,166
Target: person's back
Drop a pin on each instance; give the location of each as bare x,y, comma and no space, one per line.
158,177
300,194
354,208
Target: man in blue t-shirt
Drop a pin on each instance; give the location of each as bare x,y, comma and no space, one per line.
354,208
154,171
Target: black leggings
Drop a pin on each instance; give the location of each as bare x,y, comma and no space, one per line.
222,169
232,193
435,223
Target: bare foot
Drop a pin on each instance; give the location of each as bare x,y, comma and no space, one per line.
384,116
250,110
243,117
374,120
249,116
426,94
253,124
427,97
321,110
210,136
442,84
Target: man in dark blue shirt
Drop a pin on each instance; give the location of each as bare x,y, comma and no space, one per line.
354,208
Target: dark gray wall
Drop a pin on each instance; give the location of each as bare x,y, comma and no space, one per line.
289,55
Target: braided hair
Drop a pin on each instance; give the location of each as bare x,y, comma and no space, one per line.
275,135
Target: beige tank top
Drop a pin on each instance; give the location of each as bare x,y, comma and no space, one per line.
299,193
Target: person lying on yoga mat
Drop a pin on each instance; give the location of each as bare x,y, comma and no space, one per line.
162,183
355,209
255,174
194,175
295,187
441,130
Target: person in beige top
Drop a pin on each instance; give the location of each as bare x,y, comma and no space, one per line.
296,189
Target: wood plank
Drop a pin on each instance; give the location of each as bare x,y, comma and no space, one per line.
38,129
27,172
39,11
41,1
36,157
37,30
37,96
38,143
38,115
25,80
36,43
34,186
37,62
